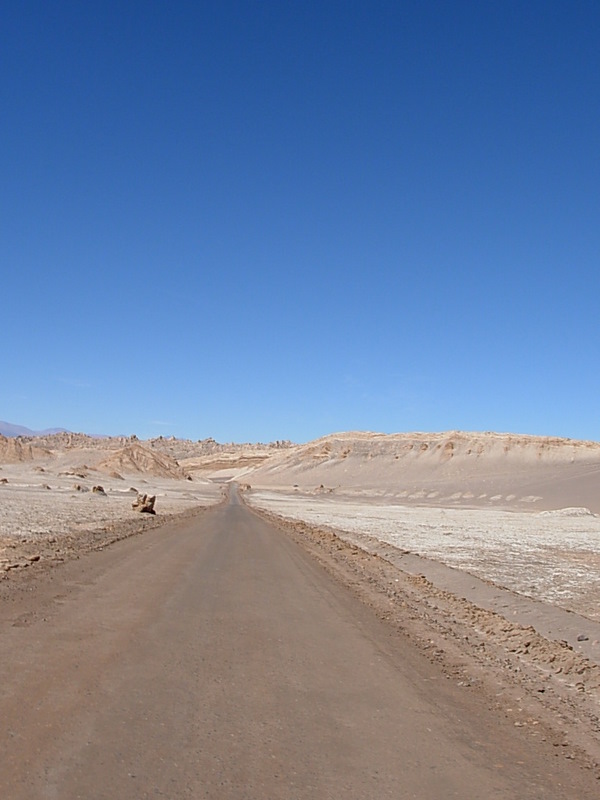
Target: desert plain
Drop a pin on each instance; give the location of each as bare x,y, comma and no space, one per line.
483,547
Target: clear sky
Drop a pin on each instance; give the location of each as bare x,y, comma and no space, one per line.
267,220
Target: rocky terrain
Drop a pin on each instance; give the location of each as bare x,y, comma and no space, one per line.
492,539
64,493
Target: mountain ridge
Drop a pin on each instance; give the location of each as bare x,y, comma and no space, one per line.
10,430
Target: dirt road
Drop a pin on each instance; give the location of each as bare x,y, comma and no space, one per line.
215,659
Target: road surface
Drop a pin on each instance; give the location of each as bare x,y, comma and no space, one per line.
214,659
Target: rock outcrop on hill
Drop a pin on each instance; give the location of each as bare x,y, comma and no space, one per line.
15,450
137,458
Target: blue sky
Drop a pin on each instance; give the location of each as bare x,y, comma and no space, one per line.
282,219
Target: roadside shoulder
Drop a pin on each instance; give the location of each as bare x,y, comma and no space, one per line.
541,683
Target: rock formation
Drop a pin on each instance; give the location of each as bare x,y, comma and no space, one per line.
144,503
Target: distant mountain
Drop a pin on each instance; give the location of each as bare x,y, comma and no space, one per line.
10,430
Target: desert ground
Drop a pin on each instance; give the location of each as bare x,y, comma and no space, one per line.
62,494
519,511
482,547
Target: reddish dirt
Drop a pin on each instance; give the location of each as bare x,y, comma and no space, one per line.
224,656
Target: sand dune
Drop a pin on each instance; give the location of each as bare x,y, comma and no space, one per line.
453,468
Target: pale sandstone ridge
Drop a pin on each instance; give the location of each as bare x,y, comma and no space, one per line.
66,440
452,467
135,458
206,457
216,460
13,451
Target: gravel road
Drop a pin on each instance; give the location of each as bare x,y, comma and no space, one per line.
215,658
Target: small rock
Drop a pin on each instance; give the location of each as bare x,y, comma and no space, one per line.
98,489
144,503
582,638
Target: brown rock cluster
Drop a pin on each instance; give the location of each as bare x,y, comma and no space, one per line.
144,503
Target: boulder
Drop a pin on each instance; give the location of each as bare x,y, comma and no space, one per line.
144,503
